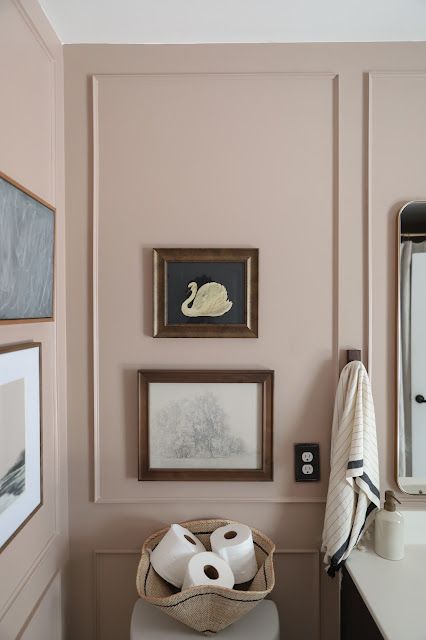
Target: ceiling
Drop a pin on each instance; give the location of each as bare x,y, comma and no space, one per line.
193,21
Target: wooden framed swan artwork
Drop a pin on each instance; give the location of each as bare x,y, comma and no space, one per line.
206,293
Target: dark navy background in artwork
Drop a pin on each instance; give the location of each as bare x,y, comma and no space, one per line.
230,274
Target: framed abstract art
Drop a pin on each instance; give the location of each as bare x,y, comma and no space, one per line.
20,437
27,238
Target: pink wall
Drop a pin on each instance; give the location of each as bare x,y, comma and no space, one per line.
32,152
299,150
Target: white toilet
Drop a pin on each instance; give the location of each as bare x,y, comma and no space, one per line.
148,623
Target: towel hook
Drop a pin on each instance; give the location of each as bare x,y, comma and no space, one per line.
353,354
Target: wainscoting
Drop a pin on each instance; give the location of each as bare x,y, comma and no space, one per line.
32,153
303,151
296,593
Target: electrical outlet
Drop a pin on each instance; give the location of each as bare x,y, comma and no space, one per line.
306,462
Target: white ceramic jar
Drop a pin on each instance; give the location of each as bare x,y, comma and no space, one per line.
389,530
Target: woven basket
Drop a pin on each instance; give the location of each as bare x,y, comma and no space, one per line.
204,608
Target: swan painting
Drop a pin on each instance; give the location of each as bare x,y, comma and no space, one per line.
211,300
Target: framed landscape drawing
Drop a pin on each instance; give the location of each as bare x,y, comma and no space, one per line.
20,437
206,293
205,425
27,234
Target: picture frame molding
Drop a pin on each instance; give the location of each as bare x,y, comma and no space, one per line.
161,329
10,348
262,376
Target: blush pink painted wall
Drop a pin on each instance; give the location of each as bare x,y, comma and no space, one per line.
304,151
32,152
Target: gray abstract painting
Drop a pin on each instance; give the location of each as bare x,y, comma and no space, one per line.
27,230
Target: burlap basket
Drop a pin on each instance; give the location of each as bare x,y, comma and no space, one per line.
206,609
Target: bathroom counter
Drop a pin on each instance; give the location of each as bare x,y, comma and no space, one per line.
393,591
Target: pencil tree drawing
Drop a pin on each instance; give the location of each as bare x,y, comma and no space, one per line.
195,428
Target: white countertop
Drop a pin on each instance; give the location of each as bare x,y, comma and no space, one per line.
394,591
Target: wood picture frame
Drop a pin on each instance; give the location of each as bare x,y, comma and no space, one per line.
205,425
21,457
27,247
205,293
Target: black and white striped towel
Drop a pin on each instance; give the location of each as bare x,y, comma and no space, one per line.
353,491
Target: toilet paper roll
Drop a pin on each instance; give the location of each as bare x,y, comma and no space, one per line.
234,544
170,557
208,568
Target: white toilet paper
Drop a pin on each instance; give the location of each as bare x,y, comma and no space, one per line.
208,568
170,557
234,544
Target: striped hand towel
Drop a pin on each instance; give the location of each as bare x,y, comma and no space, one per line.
353,491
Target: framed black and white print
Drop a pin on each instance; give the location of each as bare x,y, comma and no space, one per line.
206,293
27,238
20,437
205,425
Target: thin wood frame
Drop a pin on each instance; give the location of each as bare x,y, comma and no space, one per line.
46,204
263,377
10,349
398,364
162,329
397,447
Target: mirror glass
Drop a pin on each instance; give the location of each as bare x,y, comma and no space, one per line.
411,385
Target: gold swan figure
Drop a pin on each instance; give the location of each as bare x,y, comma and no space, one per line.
211,299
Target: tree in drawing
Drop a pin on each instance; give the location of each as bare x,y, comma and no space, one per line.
195,428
